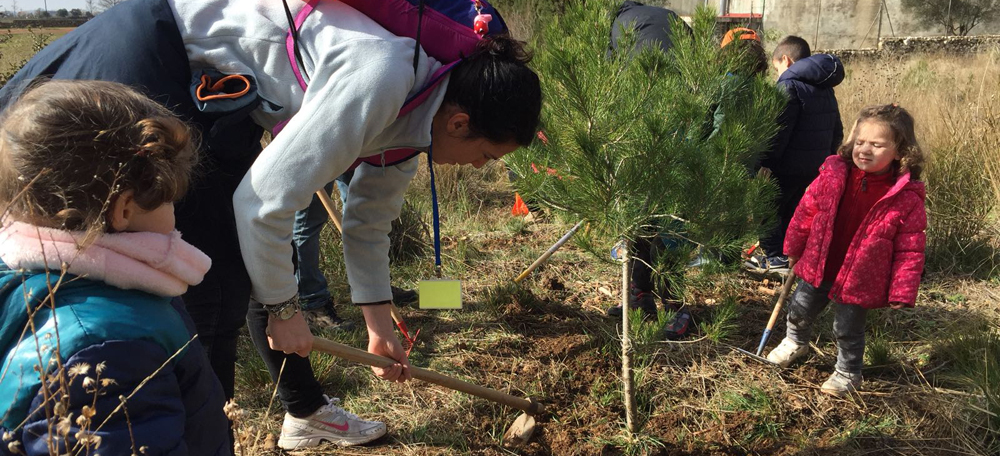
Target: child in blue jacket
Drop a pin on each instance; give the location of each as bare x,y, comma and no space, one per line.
97,356
811,131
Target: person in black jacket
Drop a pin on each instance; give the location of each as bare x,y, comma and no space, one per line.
811,130
653,28
652,25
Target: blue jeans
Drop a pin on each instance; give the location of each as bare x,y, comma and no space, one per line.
314,291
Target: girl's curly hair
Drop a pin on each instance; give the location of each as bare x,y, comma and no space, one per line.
68,148
901,124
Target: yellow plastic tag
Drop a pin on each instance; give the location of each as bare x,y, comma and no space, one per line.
440,294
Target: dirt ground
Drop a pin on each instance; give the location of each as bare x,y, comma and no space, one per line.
550,340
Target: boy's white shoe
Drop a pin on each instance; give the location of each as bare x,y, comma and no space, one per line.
330,423
841,384
786,352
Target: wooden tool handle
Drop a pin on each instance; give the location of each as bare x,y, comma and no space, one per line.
785,289
330,209
549,252
396,317
363,357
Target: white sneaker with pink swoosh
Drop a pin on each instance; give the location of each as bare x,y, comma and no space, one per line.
330,423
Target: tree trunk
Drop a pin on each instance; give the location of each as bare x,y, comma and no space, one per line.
627,346
951,29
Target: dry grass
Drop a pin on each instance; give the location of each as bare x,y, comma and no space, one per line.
954,101
548,338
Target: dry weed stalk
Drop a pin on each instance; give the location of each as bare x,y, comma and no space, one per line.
958,125
250,441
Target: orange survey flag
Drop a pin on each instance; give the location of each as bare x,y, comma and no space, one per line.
519,207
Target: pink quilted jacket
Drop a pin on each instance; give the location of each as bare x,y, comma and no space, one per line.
886,257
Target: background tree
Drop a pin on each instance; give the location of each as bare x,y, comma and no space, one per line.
954,17
631,142
90,6
62,12
103,5
75,12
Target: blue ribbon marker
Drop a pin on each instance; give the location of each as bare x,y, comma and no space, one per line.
437,222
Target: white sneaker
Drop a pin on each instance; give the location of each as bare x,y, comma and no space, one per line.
330,423
786,352
841,384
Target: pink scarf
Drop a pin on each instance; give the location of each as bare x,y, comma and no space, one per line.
161,264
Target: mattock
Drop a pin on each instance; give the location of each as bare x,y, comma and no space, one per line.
396,317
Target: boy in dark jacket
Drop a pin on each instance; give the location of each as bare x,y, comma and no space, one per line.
811,130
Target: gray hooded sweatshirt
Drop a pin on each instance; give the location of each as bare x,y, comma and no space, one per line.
359,77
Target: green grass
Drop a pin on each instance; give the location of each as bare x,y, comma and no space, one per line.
760,405
605,393
638,444
878,349
499,298
867,427
724,321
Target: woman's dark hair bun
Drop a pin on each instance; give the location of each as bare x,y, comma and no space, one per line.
498,90
505,47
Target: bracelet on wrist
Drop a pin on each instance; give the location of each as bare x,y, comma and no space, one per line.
283,310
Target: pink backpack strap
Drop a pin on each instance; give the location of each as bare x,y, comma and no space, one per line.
396,156
425,92
389,157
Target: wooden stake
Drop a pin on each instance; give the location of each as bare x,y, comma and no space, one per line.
627,347
331,210
951,30
888,17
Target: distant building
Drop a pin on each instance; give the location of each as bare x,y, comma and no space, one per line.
825,23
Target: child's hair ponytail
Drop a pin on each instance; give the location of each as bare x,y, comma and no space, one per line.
164,143
498,90
68,148
901,124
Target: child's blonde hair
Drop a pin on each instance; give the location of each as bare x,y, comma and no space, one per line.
68,148
901,124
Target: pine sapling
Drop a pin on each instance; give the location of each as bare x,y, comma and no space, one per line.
647,142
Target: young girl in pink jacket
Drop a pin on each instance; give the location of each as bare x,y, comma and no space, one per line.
857,238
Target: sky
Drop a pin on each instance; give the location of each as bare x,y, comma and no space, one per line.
31,5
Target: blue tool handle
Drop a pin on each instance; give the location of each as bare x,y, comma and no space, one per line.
763,341
785,289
